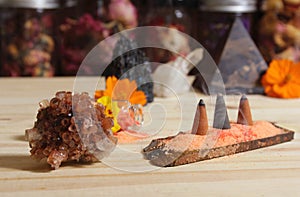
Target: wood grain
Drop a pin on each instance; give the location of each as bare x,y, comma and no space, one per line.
157,155
272,171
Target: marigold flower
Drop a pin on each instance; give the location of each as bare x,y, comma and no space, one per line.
122,89
282,79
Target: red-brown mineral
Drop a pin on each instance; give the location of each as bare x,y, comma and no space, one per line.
70,128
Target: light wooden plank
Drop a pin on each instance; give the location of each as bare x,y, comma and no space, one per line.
270,171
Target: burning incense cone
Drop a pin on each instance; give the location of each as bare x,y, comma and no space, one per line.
221,120
244,115
200,125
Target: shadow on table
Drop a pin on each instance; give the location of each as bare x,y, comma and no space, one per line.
23,162
19,138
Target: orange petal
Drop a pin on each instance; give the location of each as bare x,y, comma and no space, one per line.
295,73
292,90
288,90
99,94
110,84
277,72
124,88
269,91
133,85
138,97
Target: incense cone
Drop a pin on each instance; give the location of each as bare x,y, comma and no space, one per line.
244,115
221,120
200,125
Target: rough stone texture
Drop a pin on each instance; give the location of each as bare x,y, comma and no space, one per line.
132,65
70,128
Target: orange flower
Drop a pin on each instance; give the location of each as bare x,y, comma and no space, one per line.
122,89
282,79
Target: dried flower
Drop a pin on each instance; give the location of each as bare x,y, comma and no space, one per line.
78,38
282,79
124,12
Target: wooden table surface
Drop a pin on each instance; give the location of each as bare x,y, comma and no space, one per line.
272,171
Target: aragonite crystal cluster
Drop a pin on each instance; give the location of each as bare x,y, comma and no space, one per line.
70,128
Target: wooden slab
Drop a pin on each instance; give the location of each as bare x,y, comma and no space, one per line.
158,156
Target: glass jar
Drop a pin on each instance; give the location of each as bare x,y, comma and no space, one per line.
171,14
279,30
216,18
82,29
28,37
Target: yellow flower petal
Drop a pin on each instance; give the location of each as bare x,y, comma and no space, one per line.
111,110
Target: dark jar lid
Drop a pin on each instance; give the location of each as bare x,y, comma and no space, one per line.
37,4
232,6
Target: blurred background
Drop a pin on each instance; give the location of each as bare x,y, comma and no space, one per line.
52,37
